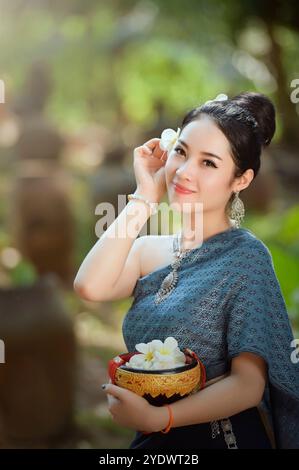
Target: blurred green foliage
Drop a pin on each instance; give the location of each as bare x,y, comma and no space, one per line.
23,274
133,64
119,60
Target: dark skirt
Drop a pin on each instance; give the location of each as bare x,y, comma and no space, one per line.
247,427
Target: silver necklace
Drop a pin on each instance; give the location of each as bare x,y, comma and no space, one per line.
170,281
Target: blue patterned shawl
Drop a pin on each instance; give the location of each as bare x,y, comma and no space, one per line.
227,300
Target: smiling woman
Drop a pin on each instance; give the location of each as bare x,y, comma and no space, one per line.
225,303
217,155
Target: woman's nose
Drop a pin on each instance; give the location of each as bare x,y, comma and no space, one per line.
186,170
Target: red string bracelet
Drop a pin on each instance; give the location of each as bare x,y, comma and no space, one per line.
170,422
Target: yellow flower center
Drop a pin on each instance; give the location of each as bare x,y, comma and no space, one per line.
149,356
164,351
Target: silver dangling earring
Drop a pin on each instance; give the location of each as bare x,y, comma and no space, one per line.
237,210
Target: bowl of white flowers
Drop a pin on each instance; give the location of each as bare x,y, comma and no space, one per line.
159,372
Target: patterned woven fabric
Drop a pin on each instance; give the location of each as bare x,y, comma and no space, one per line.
228,300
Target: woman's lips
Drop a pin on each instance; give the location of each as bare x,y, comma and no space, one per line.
180,190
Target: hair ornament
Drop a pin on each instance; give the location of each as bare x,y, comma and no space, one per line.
220,97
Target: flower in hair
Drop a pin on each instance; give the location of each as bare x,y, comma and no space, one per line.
220,97
168,139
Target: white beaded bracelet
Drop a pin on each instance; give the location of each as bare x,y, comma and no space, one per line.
153,205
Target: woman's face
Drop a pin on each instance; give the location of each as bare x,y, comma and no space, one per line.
200,161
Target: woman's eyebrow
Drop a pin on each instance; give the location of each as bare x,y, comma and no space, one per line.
209,154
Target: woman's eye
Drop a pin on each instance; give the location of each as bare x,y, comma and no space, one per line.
177,149
210,163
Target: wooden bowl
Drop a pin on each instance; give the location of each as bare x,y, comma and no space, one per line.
161,386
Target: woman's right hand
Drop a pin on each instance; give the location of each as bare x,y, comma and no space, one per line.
150,170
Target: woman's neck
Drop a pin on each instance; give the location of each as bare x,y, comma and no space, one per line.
201,228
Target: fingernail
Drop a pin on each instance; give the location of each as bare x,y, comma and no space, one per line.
103,386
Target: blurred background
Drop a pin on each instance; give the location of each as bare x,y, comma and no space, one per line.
85,82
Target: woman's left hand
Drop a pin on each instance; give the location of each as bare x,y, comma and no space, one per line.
132,411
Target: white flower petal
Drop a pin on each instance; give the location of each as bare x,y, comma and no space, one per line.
142,347
170,365
161,365
162,356
158,355
170,343
168,138
147,365
180,357
135,366
221,97
168,134
137,360
177,350
180,363
156,344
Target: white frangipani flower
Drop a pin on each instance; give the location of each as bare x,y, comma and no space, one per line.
145,359
165,349
166,365
220,97
147,349
136,361
158,355
168,139
168,361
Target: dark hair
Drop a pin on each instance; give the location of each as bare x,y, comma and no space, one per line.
247,121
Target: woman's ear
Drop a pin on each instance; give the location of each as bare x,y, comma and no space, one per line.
244,180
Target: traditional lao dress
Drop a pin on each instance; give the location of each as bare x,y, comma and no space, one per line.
227,301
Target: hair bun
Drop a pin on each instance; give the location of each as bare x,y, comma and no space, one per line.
262,109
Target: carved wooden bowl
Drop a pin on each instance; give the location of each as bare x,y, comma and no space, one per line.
162,386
